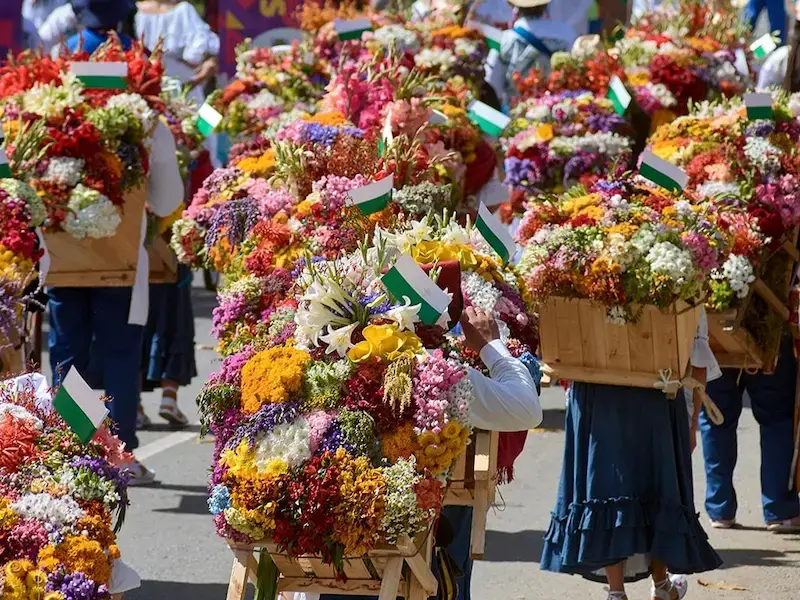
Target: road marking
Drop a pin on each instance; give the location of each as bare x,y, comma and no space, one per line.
164,443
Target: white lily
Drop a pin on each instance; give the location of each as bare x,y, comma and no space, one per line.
338,340
405,315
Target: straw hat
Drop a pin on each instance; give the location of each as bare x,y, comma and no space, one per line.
528,3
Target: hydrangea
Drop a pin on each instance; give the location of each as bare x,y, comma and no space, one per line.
429,58
739,272
479,292
19,189
219,500
91,214
668,259
136,105
64,171
58,512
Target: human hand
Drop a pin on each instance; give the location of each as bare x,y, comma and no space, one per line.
479,328
693,437
206,70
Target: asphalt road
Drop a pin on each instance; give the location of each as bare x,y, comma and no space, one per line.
169,536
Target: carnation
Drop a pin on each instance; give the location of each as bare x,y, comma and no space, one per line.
91,214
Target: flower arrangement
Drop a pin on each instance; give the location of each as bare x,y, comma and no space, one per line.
621,242
58,502
558,140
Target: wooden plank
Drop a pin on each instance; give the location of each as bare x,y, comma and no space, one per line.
548,333
311,585
417,564
379,564
605,376
665,343
771,299
687,330
458,497
640,342
356,569
593,336
391,578
493,450
237,586
123,278
252,569
459,472
322,570
416,591
617,350
479,513
483,445
288,566
570,350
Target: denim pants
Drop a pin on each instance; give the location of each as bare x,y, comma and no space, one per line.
776,11
89,330
772,398
460,518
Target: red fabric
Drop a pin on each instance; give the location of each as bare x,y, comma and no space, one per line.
198,175
450,281
509,447
480,172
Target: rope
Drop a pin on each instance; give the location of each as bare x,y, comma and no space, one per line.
671,387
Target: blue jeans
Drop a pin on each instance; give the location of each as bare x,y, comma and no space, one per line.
460,518
776,11
772,398
89,330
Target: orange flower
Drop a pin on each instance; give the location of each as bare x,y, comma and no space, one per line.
329,117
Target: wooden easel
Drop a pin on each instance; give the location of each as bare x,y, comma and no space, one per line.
380,572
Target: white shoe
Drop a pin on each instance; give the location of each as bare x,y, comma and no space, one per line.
674,583
170,412
139,475
142,420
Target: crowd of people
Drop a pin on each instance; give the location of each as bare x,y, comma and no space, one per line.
627,453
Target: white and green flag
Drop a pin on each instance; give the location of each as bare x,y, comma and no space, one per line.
80,406
492,35
208,119
406,279
491,122
759,106
101,75
353,29
619,95
741,63
662,173
763,46
495,233
373,197
5,168
437,118
387,137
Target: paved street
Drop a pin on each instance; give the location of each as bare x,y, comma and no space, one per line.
169,536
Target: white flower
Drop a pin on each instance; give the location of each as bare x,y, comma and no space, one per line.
739,272
718,188
264,99
64,171
465,47
609,144
661,93
794,104
429,58
420,231
405,315
91,214
764,155
338,340
480,292
51,100
668,259
288,442
616,315
538,112
402,37
138,106
19,413
58,512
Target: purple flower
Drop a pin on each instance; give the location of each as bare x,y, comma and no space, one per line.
264,421
234,220
76,586
334,439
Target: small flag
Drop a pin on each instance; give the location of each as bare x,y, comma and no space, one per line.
619,95
79,406
387,137
491,122
101,75
372,197
495,234
662,173
5,168
406,279
437,118
763,46
741,63
492,35
759,106
351,30
208,119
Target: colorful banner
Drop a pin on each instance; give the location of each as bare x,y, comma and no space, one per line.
242,19
10,26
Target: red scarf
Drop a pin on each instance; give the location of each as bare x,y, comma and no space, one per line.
509,447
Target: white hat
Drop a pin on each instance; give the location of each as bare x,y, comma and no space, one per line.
528,3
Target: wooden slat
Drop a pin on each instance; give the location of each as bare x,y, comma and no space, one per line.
665,343
617,351
593,336
458,497
568,331
368,587
322,570
356,569
606,376
494,446
237,586
416,591
459,472
391,578
640,342
417,564
791,250
548,336
288,566
479,513
771,299
379,564
687,322
483,445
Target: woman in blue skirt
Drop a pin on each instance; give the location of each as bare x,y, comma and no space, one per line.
625,507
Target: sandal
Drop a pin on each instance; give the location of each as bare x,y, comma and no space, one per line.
142,420
616,595
787,526
674,587
170,412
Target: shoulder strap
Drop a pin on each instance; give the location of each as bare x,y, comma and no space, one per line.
533,41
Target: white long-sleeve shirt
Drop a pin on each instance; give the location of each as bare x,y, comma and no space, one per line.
506,401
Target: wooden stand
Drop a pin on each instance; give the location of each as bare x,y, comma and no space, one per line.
12,361
578,343
163,262
474,483
107,262
380,572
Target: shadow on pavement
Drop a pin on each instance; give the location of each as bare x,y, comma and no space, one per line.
517,546
175,590
552,420
203,303
754,557
188,505
173,487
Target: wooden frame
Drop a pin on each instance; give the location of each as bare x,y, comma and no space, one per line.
578,343
106,262
163,262
474,483
380,572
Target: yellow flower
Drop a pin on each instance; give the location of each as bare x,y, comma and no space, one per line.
272,376
661,117
429,252
451,430
19,569
304,207
330,117
544,133
8,517
166,223
453,111
669,211
665,149
625,229
258,166
594,212
241,461
384,342
36,578
574,205
639,78
53,596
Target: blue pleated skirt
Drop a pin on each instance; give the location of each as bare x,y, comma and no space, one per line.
626,487
168,349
